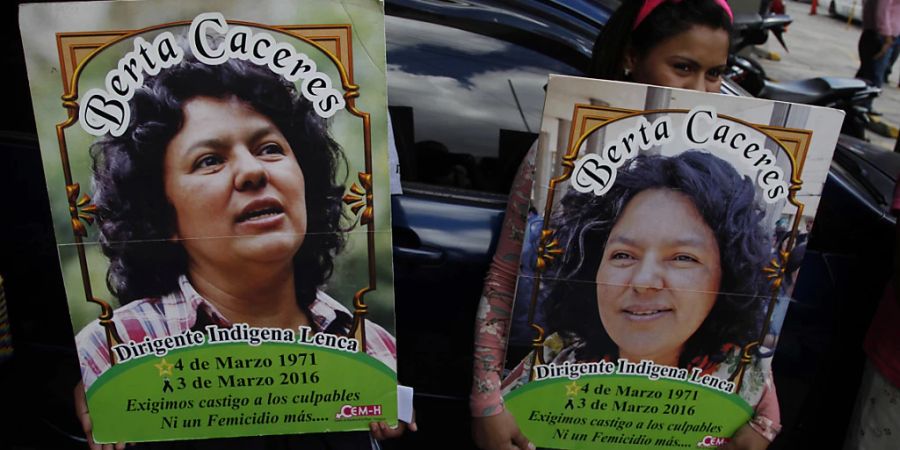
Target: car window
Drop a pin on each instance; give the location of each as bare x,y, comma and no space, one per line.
465,107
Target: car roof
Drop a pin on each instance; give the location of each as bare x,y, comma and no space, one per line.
566,29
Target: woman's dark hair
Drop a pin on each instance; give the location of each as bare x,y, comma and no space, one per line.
136,219
667,20
726,202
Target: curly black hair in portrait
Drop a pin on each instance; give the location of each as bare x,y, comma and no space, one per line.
136,219
726,202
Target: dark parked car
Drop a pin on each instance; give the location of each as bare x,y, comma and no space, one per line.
469,82
466,81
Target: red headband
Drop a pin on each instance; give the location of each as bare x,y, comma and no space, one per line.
650,5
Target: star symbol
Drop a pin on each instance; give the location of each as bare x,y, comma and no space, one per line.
572,389
165,368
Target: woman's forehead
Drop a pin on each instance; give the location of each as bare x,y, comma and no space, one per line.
211,110
661,213
697,41
212,121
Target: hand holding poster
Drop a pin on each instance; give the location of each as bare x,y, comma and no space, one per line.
217,174
667,221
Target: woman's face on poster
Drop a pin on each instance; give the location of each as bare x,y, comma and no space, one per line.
659,276
236,186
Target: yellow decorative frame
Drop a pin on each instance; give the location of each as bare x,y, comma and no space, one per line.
587,119
77,49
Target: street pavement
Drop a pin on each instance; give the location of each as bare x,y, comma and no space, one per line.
821,45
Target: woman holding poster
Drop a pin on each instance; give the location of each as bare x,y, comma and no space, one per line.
682,44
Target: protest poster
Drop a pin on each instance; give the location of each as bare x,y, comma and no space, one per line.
664,238
219,184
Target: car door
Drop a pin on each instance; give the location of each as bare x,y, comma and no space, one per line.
465,98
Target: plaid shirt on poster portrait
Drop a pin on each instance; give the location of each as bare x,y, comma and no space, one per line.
180,311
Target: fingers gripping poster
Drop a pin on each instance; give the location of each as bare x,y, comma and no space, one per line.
669,229
218,177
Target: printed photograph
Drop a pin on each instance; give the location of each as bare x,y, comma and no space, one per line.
218,189
662,243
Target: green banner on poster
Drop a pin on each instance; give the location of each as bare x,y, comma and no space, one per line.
624,412
236,390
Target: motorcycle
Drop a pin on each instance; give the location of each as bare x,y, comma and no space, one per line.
851,95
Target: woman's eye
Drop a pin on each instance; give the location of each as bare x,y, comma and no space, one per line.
682,67
685,258
620,256
714,74
208,161
271,149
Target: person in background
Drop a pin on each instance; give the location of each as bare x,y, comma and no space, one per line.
894,53
881,25
681,44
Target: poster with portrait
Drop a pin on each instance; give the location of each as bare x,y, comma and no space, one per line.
218,178
667,227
